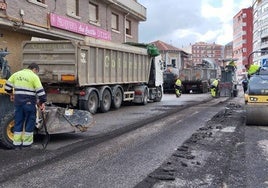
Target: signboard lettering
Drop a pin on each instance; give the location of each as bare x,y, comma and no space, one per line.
78,27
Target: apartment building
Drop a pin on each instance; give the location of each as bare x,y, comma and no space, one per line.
203,50
260,31
242,38
228,51
112,20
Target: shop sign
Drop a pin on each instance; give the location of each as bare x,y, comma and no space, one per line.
74,26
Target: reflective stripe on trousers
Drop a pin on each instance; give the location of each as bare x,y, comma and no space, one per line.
22,138
24,115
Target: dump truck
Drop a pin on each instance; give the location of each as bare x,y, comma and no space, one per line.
195,79
55,119
96,75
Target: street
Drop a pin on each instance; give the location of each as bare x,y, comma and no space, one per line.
206,145
82,94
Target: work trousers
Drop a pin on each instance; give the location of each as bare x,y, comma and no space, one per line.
25,119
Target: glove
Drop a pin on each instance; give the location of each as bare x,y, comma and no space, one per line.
42,107
11,97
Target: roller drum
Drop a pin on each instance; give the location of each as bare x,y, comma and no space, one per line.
256,114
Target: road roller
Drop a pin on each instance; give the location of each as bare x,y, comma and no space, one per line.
256,96
256,99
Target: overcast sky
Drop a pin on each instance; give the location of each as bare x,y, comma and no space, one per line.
181,22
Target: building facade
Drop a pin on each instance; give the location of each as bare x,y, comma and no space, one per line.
228,51
173,57
113,20
242,38
202,50
260,31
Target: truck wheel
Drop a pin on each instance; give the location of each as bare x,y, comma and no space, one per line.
91,104
159,94
145,98
106,101
6,130
118,98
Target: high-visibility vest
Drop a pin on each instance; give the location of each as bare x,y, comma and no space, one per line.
253,69
178,82
215,83
27,86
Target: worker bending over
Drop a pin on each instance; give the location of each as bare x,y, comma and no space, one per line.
214,88
178,87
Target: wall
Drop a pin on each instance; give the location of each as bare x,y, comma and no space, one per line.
16,27
13,40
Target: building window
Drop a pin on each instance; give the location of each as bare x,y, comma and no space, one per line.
115,22
173,63
73,7
93,12
128,27
38,2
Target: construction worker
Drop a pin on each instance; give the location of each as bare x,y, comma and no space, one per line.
232,63
178,87
214,88
27,88
245,84
252,69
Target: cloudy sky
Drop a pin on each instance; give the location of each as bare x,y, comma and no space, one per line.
181,22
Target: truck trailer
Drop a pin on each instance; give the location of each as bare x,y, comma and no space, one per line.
95,75
197,79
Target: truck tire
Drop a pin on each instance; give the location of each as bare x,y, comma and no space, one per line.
145,97
159,94
106,101
118,98
91,104
6,130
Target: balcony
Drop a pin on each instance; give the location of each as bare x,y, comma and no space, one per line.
131,7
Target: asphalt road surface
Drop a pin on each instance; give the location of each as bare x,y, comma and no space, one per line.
207,145
122,161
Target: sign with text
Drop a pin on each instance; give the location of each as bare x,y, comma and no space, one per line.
78,27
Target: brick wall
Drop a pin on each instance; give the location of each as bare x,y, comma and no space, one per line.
35,18
36,15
